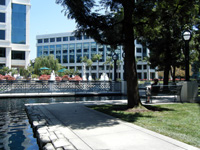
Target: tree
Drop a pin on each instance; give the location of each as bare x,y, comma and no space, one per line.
89,64
4,71
97,57
109,63
163,35
114,27
46,61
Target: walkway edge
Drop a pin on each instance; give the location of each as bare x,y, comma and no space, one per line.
49,131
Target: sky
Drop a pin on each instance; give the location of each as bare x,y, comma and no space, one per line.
46,18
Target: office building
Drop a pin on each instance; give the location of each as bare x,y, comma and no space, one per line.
14,33
69,51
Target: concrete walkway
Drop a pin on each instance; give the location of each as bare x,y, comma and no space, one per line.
74,126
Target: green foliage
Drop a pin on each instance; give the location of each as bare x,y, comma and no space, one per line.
46,61
164,34
4,71
35,76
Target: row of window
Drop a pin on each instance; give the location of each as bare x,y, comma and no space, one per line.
62,39
16,55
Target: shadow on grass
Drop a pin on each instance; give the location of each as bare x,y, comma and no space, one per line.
157,108
129,115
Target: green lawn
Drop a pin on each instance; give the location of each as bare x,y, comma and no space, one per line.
179,121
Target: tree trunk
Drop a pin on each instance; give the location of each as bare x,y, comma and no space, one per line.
166,74
129,47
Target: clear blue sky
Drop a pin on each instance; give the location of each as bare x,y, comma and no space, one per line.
46,18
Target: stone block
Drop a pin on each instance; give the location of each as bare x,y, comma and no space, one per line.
49,146
61,143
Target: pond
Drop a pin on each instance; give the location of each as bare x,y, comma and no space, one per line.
15,130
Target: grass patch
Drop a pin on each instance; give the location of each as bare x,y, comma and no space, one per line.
178,121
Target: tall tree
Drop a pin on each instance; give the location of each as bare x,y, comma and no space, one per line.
115,26
164,34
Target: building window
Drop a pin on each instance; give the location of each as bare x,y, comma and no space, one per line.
18,24
86,37
45,50
65,38
71,53
145,67
52,49
78,52
39,40
139,67
58,50
2,52
86,50
46,40
139,76
72,38
18,55
2,35
39,51
139,50
2,65
58,39
65,58
2,17
144,52
52,40
2,2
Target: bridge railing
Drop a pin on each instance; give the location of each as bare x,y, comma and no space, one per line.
31,86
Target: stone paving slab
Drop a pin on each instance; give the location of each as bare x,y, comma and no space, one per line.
74,126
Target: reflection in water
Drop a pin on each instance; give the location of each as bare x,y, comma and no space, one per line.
15,131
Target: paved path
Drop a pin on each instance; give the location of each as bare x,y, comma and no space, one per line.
74,126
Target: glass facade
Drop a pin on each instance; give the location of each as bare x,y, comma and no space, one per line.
2,17
2,52
46,50
2,34
52,49
78,52
58,53
70,50
39,51
18,55
18,24
71,53
86,50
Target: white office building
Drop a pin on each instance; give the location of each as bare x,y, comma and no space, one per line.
69,50
14,33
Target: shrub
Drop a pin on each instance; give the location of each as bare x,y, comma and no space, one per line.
76,78
44,77
58,78
1,77
65,77
8,77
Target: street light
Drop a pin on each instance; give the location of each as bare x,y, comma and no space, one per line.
187,37
123,55
114,57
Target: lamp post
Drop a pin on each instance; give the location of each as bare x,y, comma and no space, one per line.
114,57
123,55
186,37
